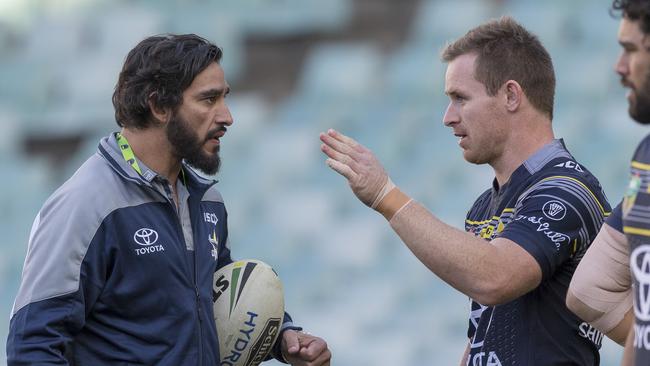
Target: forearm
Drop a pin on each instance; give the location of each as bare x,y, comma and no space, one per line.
469,264
620,332
628,352
463,361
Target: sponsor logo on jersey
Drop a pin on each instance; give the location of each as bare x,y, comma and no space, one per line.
555,236
491,359
215,244
554,210
586,330
642,336
147,239
145,236
640,265
210,217
631,193
570,165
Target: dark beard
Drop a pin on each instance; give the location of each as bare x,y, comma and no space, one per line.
639,108
188,146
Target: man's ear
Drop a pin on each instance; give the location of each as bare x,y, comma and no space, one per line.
514,95
159,114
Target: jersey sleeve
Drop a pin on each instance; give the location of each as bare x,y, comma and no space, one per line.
554,219
615,220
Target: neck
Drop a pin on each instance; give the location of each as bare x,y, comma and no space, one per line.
522,143
151,146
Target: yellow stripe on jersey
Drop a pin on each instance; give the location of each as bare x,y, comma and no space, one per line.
602,210
505,210
636,231
638,165
481,222
487,231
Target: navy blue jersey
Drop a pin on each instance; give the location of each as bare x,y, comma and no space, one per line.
553,208
632,217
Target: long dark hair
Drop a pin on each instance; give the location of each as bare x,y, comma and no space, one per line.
159,69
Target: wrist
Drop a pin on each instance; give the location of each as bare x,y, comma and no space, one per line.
392,202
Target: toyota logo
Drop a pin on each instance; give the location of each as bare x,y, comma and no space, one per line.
145,236
640,264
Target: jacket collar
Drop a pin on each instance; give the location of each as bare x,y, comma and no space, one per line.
110,151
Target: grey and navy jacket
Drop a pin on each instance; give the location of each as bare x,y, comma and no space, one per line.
109,278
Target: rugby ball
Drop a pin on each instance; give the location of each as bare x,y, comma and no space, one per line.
248,304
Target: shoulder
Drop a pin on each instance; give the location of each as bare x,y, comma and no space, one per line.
203,184
481,202
212,195
97,187
642,153
483,198
93,193
566,179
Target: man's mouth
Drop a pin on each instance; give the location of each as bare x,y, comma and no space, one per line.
215,136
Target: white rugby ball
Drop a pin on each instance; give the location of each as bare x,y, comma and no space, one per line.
248,310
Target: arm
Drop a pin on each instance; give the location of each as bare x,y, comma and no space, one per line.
628,352
471,265
533,244
600,291
60,283
464,360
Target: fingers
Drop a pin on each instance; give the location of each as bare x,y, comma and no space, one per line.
340,142
312,347
343,149
339,157
291,342
313,352
323,359
358,164
341,168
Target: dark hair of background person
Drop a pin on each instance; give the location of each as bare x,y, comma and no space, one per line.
634,10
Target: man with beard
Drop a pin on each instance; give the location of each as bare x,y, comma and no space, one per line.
611,287
524,235
121,258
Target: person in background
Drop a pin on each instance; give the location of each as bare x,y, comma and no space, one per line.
611,285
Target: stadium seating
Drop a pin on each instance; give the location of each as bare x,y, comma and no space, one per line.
347,276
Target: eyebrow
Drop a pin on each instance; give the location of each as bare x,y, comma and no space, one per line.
627,44
213,92
453,92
